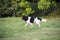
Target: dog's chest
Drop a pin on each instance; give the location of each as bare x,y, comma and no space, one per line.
30,20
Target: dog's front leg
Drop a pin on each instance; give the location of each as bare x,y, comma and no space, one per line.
31,24
26,24
39,25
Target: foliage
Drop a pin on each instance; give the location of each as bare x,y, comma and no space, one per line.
24,4
28,11
25,7
44,4
47,6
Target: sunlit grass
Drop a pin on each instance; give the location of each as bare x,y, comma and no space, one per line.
13,29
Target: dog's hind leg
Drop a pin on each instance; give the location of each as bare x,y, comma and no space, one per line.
38,23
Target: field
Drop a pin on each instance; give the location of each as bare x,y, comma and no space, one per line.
13,29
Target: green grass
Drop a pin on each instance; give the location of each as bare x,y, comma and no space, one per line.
13,29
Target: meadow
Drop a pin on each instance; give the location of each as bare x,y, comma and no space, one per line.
12,28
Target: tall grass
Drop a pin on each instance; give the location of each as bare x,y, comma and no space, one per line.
14,29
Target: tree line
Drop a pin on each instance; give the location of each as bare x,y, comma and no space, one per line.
19,8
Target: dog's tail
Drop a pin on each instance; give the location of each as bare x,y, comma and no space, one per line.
44,20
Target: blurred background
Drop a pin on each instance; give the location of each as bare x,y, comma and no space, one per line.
18,8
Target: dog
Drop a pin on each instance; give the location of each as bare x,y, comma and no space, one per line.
30,20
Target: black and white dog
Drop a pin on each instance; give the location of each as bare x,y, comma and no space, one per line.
30,20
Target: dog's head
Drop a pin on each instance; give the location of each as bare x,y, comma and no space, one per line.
25,18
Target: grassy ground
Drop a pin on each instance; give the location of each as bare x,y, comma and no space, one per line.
13,29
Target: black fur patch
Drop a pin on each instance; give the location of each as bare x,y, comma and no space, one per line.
32,20
39,19
25,18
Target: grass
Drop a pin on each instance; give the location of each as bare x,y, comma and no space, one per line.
13,29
